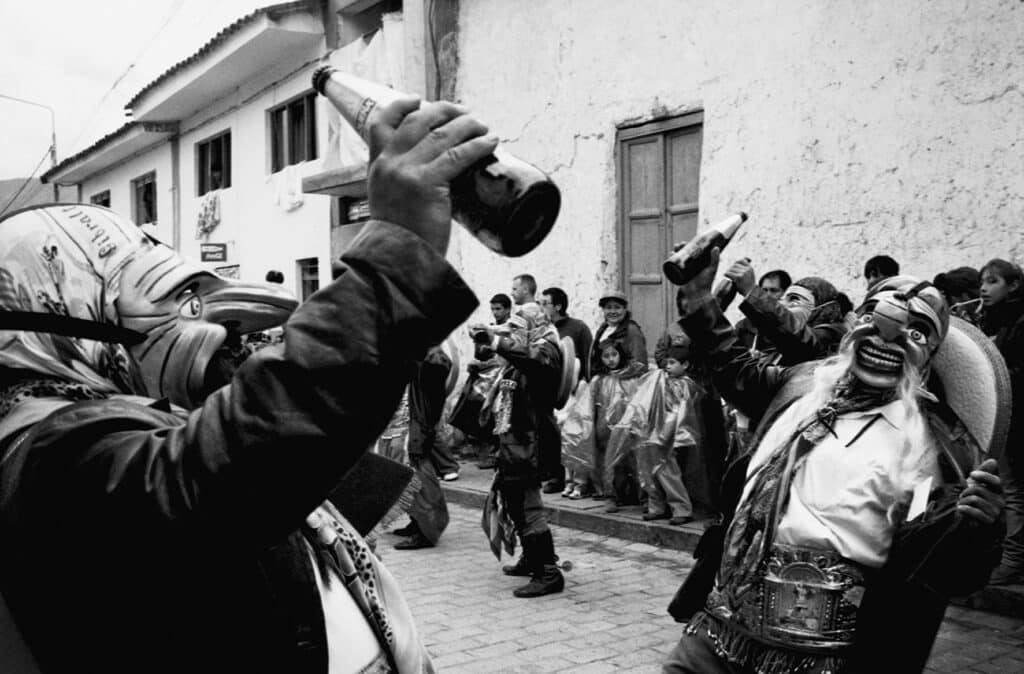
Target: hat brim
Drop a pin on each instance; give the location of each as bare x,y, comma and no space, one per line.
570,372
976,384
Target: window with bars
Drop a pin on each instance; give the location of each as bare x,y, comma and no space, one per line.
101,198
143,199
213,163
293,132
308,275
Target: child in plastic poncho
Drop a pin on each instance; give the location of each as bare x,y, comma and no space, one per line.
662,419
599,404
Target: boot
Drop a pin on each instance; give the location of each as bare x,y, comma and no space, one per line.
546,577
520,568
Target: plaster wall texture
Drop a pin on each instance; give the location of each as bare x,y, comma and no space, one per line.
119,181
260,230
845,130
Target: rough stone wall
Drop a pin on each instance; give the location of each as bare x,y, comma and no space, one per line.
844,129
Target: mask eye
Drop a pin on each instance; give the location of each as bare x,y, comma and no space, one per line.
918,336
867,318
191,307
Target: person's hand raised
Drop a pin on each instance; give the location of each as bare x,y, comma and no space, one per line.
415,152
741,273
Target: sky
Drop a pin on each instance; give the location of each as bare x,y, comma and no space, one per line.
86,60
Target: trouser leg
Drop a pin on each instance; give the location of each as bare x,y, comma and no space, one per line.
1013,491
670,479
695,654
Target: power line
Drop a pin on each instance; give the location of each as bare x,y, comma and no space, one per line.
27,181
146,47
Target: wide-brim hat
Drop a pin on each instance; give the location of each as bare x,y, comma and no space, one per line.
617,295
570,372
975,384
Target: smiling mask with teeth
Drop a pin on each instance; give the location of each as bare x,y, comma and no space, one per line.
901,323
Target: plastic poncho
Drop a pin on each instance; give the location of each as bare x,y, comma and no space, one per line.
596,407
663,415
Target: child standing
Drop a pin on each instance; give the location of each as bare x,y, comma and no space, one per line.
663,418
1002,318
616,382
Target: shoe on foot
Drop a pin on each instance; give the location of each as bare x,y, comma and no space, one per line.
553,486
650,517
487,465
549,581
680,519
576,494
611,507
414,542
520,568
1005,575
567,492
450,477
408,530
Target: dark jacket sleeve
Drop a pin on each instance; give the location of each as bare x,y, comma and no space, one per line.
586,343
746,382
264,450
796,341
636,344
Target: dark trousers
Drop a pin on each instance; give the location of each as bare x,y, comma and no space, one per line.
695,654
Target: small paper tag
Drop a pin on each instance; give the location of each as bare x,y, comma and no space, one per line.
920,500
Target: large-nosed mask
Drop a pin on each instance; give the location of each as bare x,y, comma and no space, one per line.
184,310
900,325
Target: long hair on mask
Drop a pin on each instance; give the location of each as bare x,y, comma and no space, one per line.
832,372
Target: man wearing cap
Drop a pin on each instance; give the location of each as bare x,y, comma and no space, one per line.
526,393
861,509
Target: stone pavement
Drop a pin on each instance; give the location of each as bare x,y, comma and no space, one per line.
611,616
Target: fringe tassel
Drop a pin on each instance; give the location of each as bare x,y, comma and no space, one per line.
399,508
737,647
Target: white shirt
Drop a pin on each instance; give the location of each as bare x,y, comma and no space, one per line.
845,498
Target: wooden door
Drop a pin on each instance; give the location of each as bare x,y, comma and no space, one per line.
659,177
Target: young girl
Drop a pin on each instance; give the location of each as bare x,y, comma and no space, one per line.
616,382
1002,318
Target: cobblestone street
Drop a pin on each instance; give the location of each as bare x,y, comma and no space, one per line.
611,616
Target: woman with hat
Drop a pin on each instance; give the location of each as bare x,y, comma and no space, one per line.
617,328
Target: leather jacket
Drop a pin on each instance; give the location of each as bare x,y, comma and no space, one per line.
140,539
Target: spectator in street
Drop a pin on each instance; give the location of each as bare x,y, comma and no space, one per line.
501,308
524,289
555,304
1002,319
961,288
773,284
619,326
614,474
150,525
878,268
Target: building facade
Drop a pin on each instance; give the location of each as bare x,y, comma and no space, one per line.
845,130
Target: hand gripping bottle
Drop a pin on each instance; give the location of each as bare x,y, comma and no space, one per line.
689,259
507,204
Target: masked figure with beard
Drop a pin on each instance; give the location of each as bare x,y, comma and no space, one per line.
151,525
526,391
828,559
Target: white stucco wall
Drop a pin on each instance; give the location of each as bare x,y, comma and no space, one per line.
844,129
261,234
119,181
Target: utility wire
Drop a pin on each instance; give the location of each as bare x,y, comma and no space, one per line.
149,44
27,181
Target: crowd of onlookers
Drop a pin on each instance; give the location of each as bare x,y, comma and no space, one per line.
657,434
